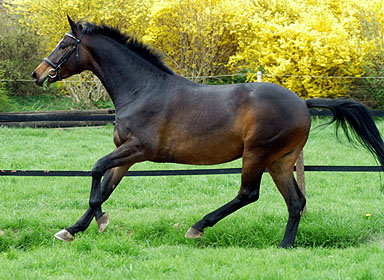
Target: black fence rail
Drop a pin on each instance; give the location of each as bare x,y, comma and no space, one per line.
56,119
185,172
75,118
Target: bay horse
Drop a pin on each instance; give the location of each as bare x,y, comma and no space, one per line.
164,117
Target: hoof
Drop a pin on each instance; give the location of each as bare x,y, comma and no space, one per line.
102,222
193,233
285,245
64,235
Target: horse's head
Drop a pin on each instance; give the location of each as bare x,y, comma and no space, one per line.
68,58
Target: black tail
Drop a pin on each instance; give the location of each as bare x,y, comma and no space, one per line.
356,121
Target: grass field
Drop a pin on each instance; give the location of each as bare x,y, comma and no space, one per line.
150,215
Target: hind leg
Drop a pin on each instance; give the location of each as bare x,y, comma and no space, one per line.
281,171
249,192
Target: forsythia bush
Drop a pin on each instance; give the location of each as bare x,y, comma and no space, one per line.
293,42
49,17
197,36
300,41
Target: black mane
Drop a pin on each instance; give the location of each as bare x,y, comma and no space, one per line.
144,51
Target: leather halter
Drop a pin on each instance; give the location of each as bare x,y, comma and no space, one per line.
64,59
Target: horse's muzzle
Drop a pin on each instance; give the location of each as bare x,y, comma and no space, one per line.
34,76
37,79
40,76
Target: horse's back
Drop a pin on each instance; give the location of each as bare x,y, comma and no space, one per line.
266,107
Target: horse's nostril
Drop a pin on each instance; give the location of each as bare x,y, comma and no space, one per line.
34,76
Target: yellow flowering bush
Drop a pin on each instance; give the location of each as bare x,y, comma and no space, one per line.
196,36
49,17
298,42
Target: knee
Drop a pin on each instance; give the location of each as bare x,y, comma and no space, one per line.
97,171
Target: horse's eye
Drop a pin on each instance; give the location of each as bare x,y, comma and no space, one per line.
62,46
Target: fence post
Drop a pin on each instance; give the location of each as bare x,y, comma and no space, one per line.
259,77
300,175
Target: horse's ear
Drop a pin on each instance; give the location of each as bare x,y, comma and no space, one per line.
73,26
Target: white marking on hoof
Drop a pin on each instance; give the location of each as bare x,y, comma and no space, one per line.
64,235
102,222
193,233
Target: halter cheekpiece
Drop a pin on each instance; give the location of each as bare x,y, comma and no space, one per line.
64,59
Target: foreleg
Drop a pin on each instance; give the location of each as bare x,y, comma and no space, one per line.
114,166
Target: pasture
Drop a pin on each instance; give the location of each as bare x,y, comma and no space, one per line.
340,237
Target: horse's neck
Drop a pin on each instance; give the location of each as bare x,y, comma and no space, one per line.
121,73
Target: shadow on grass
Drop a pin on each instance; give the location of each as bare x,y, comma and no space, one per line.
266,231
330,232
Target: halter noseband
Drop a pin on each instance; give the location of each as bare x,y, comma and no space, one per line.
64,59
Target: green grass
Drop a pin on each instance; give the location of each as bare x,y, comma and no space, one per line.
150,215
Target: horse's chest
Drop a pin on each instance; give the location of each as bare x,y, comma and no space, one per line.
130,126
123,130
